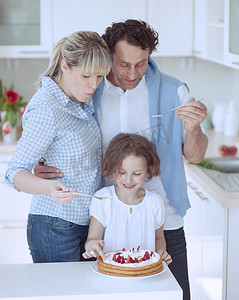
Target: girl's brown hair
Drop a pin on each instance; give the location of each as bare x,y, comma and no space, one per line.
125,144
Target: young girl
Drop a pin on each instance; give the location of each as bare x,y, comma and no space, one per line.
131,216
58,124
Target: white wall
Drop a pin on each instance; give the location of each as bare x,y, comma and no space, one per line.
207,80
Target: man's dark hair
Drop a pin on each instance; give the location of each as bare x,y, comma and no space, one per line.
135,32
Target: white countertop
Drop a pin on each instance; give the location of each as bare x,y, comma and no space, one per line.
214,190
71,280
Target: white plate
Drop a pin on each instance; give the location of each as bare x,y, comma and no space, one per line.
94,268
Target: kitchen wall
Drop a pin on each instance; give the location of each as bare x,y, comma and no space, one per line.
207,80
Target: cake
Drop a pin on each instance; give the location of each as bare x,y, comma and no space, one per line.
130,263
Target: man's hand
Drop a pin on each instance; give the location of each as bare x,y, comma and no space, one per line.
195,145
193,114
46,172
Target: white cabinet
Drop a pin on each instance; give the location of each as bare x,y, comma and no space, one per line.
232,258
13,217
212,241
175,36
25,28
231,45
209,30
216,25
173,20
206,234
74,15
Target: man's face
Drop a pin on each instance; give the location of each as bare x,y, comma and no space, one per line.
129,65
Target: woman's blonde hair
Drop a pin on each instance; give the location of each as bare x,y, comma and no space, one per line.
84,49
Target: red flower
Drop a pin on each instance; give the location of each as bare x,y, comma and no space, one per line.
11,97
6,128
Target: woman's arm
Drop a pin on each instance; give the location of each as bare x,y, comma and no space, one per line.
160,245
94,243
27,182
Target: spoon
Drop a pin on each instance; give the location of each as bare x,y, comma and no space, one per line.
175,108
89,195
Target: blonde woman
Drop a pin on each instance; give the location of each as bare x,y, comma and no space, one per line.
58,124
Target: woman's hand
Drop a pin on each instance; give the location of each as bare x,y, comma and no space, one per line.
165,256
94,249
61,192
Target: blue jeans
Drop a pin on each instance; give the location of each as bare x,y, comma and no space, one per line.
51,239
176,247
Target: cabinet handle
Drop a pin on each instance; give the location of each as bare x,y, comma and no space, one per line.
196,52
9,227
201,196
192,186
33,52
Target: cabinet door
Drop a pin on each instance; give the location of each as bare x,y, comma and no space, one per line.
233,261
213,249
206,234
14,205
231,33
194,238
73,15
199,42
25,28
174,21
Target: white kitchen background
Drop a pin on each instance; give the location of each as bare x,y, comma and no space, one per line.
198,44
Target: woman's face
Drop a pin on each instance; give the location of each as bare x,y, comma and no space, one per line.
78,87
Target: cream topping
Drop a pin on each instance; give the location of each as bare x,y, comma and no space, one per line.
139,254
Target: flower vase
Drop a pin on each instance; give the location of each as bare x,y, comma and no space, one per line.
9,134
11,137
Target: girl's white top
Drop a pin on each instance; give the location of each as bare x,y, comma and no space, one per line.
128,226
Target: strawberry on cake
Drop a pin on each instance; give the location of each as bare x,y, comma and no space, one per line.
130,263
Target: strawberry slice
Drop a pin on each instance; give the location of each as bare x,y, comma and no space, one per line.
114,257
122,260
128,260
118,259
138,248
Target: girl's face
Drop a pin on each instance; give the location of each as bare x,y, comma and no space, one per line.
78,87
131,174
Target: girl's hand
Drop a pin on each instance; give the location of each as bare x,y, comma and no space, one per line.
165,256
60,192
94,249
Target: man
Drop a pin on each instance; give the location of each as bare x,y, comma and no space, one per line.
126,101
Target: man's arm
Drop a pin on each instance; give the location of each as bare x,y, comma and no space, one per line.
46,172
195,145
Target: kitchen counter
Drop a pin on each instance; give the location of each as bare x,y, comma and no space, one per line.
71,280
214,190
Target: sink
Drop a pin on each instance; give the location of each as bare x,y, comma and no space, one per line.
226,163
229,179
